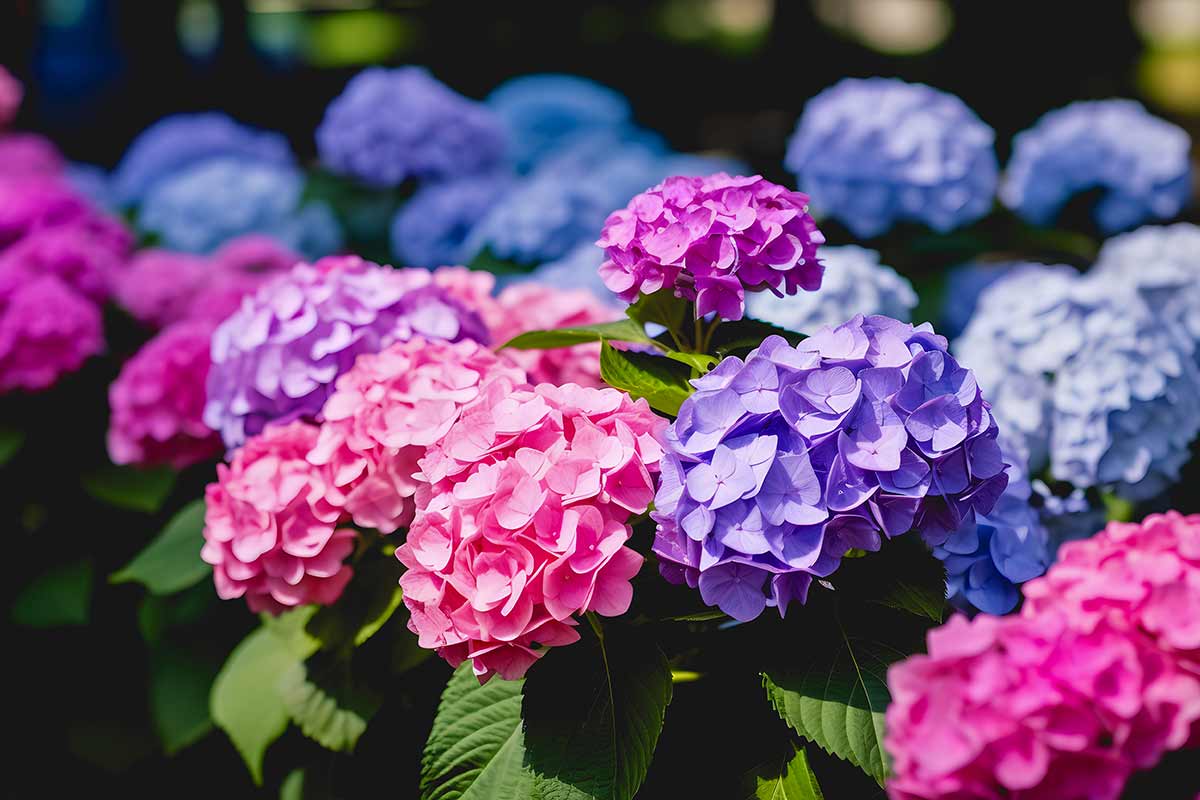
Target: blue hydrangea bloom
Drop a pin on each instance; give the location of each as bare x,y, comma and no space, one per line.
94,183
1138,161
873,152
542,112
180,141
1098,384
430,229
961,291
779,464
389,125
1163,265
854,283
201,208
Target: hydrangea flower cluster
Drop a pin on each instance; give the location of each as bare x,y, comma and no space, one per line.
269,531
779,464
1138,161
46,331
854,283
389,125
28,154
578,269
1033,707
712,240
524,520
277,357
542,112
86,257
11,94
877,151
160,287
1093,380
961,290
1163,264
431,228
180,141
1144,576
157,402
387,411
28,204
532,306
198,209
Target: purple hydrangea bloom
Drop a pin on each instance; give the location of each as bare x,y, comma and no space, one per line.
877,151
1097,383
431,228
854,283
779,464
184,140
389,125
200,208
542,112
277,357
1138,161
712,240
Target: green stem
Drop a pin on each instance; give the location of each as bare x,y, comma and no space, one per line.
708,336
697,336
594,621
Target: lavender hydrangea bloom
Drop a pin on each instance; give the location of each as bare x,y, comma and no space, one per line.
200,208
184,140
277,357
430,229
389,125
1137,160
873,152
1097,384
854,283
542,112
779,464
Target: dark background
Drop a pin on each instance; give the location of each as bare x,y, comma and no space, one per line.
727,75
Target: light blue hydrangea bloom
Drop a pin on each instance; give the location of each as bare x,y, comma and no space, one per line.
1138,161
877,151
430,229
180,141
543,112
1098,385
201,208
854,283
961,291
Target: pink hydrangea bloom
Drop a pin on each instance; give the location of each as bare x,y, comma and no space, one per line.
523,520
28,154
534,306
474,288
269,533
11,94
159,286
86,255
157,402
31,203
711,240
1033,707
386,412
1143,575
47,329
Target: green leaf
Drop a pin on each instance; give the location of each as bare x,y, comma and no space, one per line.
838,701
664,383
1117,509
321,715
11,440
475,749
171,563
367,603
622,330
702,362
245,700
179,688
57,598
905,576
746,334
783,779
593,713
142,490
661,308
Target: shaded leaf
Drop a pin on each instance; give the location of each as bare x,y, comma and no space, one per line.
320,713
172,561
180,685
133,489
746,334
661,308
367,603
783,779
622,330
475,749
60,597
664,383
11,440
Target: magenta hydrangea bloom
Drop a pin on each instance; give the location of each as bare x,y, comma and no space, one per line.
523,522
157,402
1032,707
11,94
711,240
47,329
387,411
269,533
29,155
535,306
277,357
1145,576
87,256
29,203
